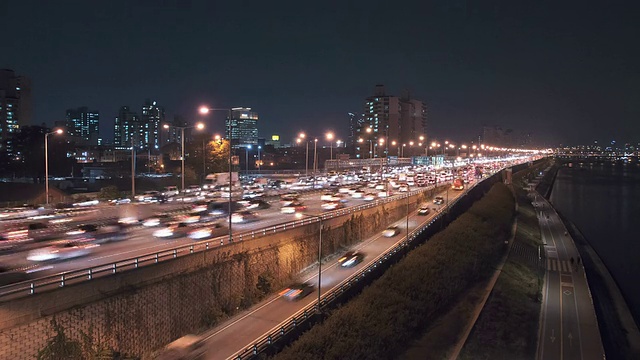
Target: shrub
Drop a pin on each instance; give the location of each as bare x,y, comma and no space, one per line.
390,312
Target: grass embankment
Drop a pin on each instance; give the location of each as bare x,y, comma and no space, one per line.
508,325
409,296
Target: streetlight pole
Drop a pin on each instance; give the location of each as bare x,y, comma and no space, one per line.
315,159
319,217
247,158
259,159
204,159
182,157
133,170
198,126
205,110
46,163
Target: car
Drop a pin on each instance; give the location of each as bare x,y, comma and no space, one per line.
120,201
369,197
170,191
332,205
147,196
156,220
391,231
186,347
61,250
288,198
424,210
206,232
293,208
172,230
328,196
403,188
254,204
192,189
351,258
438,200
358,194
297,291
98,234
243,217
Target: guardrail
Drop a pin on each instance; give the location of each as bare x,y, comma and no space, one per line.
303,315
56,281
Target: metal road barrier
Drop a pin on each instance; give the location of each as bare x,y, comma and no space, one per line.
56,281
299,318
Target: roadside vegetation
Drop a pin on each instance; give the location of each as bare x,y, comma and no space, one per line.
412,294
508,324
90,347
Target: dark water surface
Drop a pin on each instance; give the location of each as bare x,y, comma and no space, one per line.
603,200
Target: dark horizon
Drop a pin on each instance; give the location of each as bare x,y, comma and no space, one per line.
567,73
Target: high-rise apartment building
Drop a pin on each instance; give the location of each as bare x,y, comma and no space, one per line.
152,121
128,128
244,127
15,106
82,125
387,119
173,134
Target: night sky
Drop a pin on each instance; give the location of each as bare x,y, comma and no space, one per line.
569,72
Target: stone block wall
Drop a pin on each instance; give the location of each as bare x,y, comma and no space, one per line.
139,311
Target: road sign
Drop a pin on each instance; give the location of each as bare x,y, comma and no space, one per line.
235,160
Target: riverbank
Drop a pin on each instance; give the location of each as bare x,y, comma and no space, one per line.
620,334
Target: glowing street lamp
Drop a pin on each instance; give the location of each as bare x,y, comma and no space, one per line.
330,138
204,110
198,126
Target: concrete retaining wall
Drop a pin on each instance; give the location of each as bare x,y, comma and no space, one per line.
139,311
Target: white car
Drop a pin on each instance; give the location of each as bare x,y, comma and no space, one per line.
204,232
61,251
155,221
403,188
170,191
391,231
332,205
358,194
243,217
171,230
327,197
369,197
293,208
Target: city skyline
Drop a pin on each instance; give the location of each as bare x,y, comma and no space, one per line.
520,66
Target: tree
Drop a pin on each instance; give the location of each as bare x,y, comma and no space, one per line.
109,193
60,346
218,156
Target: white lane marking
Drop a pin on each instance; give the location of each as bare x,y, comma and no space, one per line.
362,244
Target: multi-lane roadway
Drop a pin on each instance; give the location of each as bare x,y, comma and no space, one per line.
242,330
140,240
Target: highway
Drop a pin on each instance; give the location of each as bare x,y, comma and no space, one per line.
569,328
140,240
241,330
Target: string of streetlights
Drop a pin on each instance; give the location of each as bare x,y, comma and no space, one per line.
302,137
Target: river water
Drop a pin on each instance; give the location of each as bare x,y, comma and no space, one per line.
603,201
